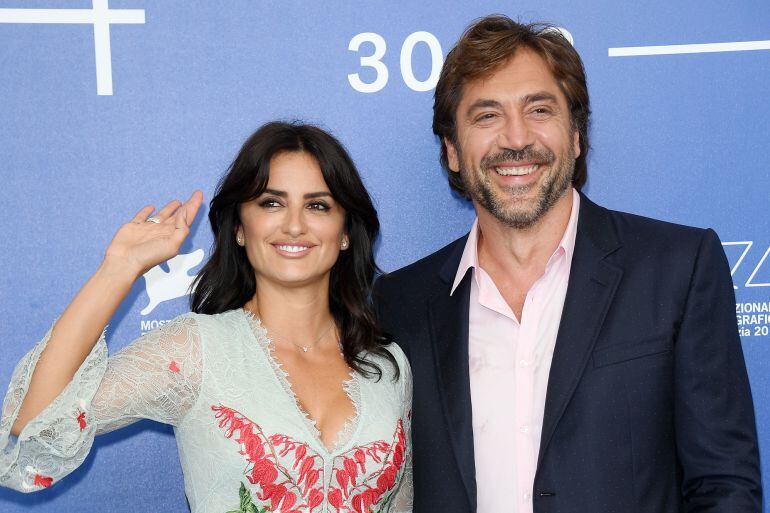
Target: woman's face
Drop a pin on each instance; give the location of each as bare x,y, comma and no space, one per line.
293,232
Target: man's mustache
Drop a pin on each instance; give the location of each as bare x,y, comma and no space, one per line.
528,153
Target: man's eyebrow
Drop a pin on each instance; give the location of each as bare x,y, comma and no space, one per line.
483,103
309,195
541,96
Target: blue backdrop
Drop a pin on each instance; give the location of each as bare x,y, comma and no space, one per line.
106,108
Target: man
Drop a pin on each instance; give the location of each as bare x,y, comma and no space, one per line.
566,358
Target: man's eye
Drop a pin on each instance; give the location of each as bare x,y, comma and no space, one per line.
488,116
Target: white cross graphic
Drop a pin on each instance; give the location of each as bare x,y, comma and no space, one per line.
101,17
738,46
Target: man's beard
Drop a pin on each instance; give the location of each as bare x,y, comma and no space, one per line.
502,203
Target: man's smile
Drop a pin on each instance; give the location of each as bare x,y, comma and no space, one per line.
516,170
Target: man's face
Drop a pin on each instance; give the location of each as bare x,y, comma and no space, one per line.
516,147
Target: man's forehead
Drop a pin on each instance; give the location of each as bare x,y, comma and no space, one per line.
523,74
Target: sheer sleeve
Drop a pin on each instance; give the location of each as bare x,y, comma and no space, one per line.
156,377
403,498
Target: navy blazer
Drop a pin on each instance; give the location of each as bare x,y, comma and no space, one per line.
648,407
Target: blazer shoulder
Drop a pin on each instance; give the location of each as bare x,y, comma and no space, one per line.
648,234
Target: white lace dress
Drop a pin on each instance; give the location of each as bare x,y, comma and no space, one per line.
245,444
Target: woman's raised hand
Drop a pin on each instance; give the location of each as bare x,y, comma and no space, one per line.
141,244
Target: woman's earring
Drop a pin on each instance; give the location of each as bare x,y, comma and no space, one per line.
239,239
344,244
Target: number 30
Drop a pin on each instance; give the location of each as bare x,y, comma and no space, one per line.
407,49
407,73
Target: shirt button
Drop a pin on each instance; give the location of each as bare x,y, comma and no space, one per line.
527,496
523,363
524,428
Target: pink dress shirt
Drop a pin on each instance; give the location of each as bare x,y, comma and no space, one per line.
509,364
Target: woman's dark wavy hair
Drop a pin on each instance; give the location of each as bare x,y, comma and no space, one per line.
227,279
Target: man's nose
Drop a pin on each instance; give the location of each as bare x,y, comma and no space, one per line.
516,133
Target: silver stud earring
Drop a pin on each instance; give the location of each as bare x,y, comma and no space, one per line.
239,239
344,244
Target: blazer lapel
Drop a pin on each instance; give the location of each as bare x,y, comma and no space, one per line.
448,318
592,285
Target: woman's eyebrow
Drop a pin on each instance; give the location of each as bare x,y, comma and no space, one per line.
309,195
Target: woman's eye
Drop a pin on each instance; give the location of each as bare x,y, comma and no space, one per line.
269,203
319,205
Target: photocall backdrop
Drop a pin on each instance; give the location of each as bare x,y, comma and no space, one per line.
107,107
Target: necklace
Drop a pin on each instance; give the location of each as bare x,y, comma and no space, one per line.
308,347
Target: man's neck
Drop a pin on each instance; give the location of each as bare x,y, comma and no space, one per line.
509,253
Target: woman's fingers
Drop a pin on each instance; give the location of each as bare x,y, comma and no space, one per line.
185,215
191,207
174,214
143,214
167,211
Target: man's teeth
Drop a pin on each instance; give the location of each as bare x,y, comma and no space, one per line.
292,249
516,170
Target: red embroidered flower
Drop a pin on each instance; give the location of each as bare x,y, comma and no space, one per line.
315,498
350,468
263,473
81,418
299,454
364,500
173,367
43,481
387,479
335,498
273,493
342,479
288,500
360,459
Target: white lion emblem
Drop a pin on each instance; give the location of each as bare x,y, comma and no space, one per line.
165,286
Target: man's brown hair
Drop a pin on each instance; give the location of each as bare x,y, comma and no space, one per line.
487,45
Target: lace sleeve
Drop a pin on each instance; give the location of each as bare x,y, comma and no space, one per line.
403,498
156,377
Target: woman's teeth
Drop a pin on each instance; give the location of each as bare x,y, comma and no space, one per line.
292,249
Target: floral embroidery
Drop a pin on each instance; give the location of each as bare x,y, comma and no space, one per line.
354,489
81,418
43,481
173,367
247,503
375,489
278,487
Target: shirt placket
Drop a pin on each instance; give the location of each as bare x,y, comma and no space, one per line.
525,392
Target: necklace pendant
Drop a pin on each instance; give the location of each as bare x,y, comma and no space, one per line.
305,349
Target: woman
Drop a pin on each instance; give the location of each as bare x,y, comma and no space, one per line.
283,393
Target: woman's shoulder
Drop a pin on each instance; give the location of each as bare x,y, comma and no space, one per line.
397,353
400,373
196,327
218,321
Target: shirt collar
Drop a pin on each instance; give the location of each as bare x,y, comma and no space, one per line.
470,257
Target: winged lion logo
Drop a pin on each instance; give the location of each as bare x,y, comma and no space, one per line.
165,286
